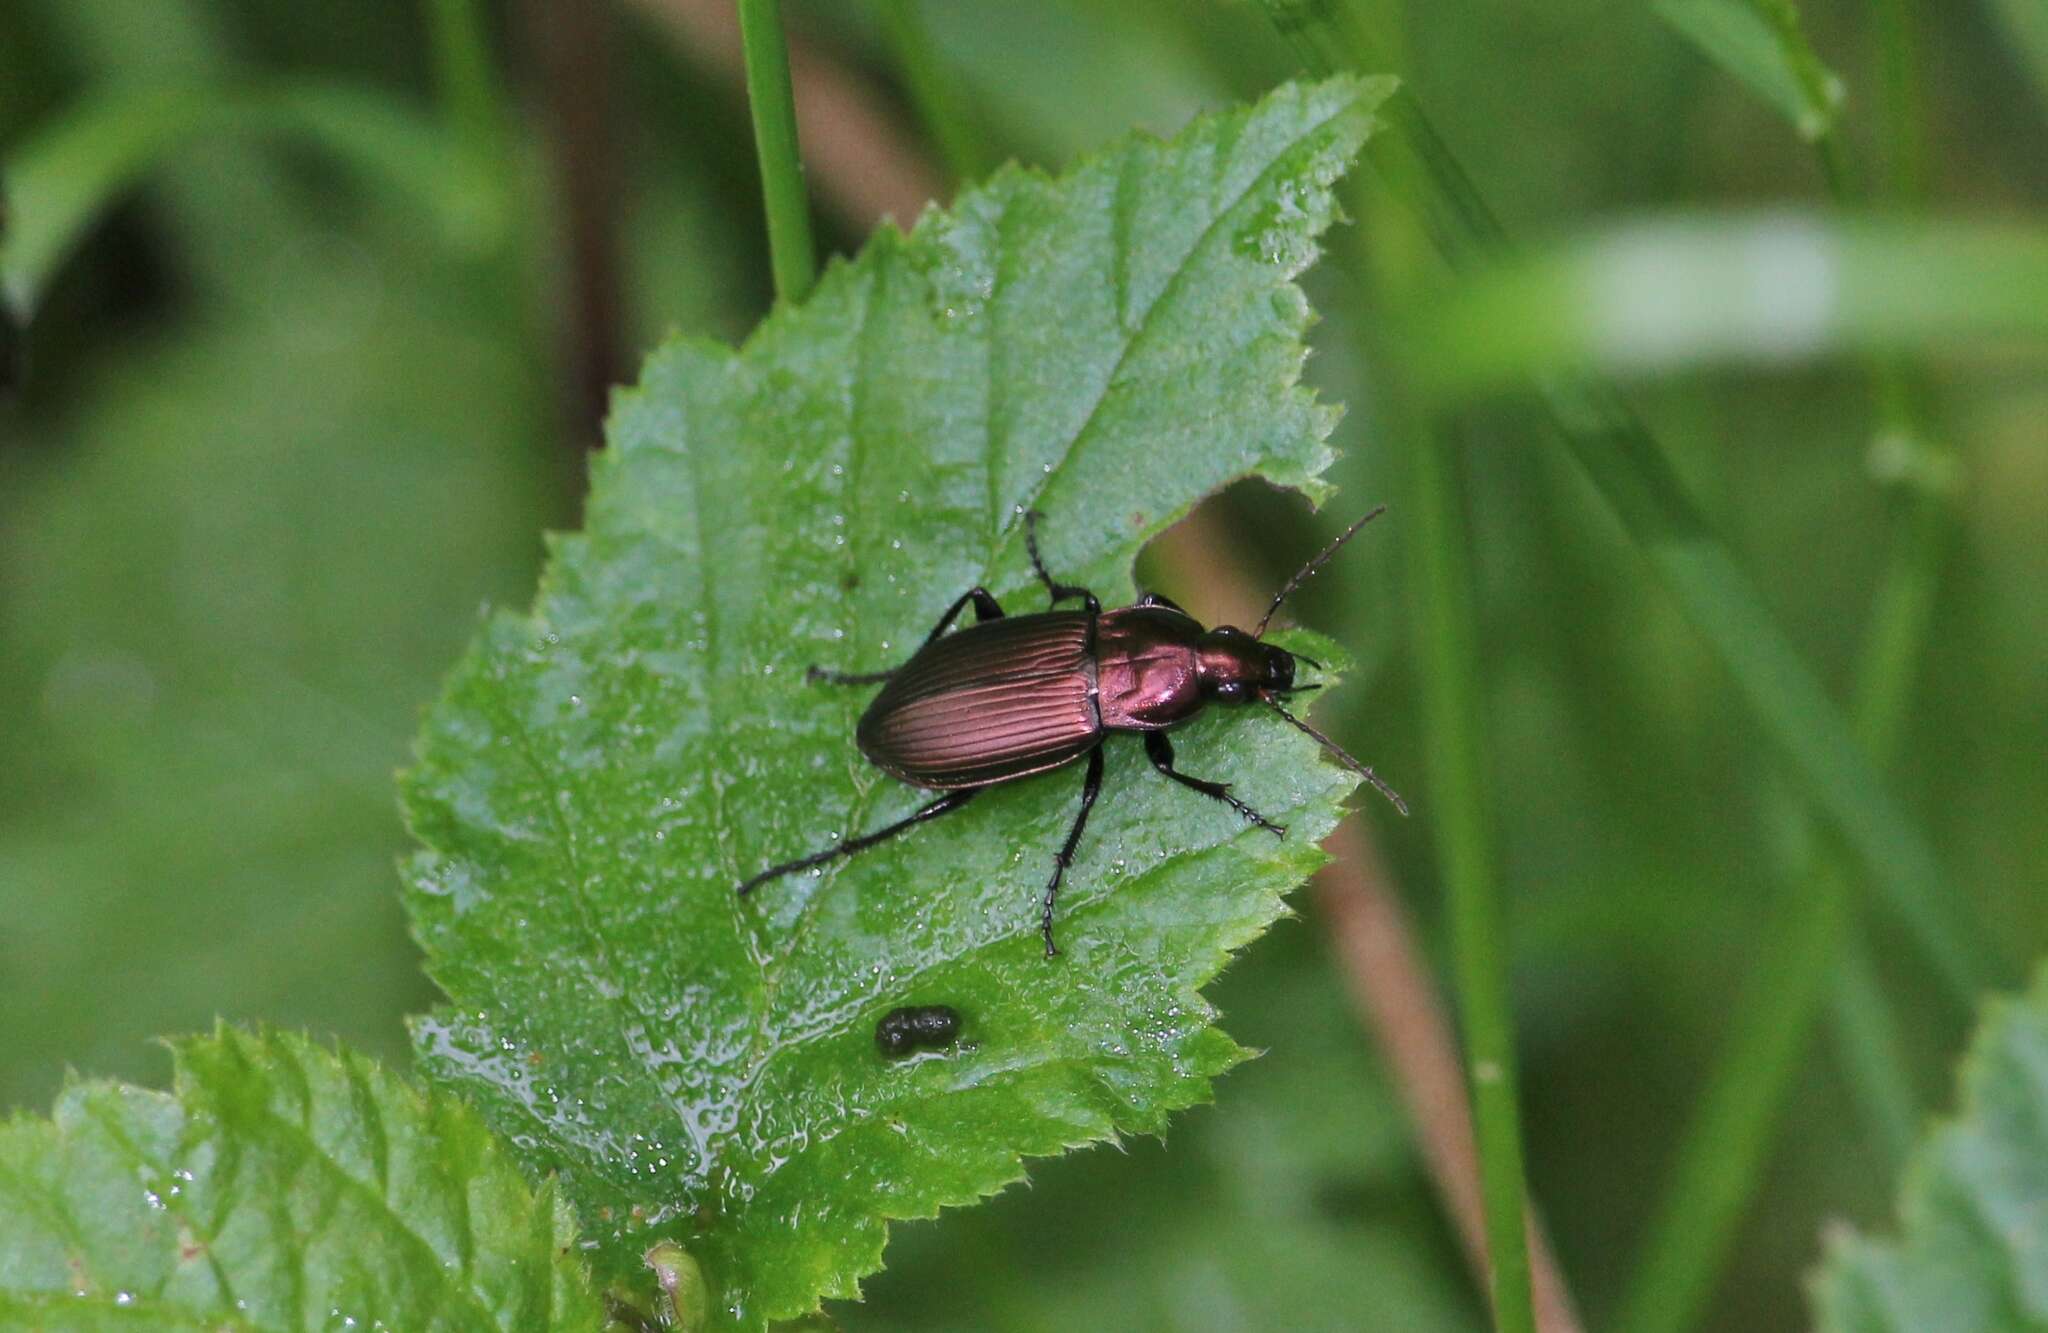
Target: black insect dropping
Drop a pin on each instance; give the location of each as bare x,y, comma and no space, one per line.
917,1027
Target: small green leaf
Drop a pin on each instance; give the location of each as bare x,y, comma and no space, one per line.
280,1185
1770,54
1107,347
1974,1254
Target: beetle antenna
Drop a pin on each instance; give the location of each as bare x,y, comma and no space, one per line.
1311,567
1299,657
1337,750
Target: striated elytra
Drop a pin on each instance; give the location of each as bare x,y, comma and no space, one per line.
1010,696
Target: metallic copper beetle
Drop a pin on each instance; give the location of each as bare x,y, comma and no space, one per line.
1010,696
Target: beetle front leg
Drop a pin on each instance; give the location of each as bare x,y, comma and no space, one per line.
1160,751
986,607
1091,787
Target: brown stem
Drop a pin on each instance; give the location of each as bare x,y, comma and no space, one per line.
1389,983
1394,995
571,41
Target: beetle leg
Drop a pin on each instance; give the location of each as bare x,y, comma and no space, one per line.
951,801
1091,787
826,676
1061,592
986,607
1160,751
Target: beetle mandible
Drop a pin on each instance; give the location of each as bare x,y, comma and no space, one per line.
1009,696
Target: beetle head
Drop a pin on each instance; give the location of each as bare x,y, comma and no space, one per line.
1237,668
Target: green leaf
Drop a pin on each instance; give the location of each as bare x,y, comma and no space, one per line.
63,178
1974,1206
280,1185
1770,54
1108,347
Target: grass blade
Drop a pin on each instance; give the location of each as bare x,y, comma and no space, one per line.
1649,297
61,179
1768,53
942,104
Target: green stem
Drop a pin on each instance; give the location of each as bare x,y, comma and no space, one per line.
477,119
465,79
942,104
1905,102
791,251
1462,827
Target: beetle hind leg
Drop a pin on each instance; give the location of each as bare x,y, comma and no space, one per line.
986,607
1160,751
1091,787
946,804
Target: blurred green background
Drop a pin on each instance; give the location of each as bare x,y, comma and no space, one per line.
284,426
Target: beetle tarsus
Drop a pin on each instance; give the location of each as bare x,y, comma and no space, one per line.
946,804
1091,787
818,675
1160,751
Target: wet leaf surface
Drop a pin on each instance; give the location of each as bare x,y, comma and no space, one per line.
280,1185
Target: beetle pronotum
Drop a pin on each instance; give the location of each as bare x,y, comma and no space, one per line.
1009,696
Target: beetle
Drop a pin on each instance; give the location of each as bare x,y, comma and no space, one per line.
916,1027
1010,696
